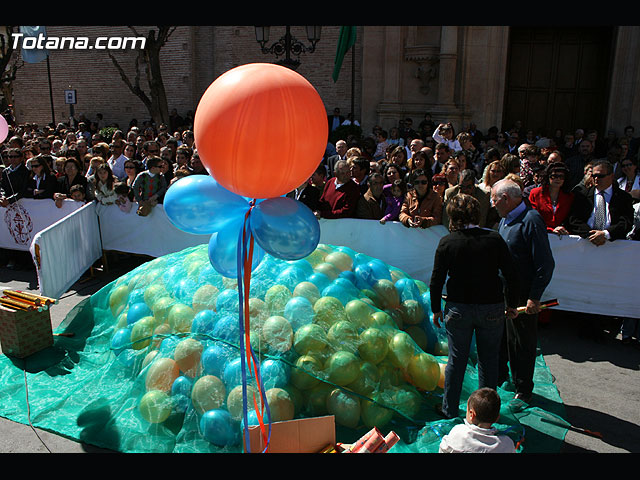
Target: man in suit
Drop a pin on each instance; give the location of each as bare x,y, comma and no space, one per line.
307,194
14,177
335,120
341,152
340,196
525,232
617,217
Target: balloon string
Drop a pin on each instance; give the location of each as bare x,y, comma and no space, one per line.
245,260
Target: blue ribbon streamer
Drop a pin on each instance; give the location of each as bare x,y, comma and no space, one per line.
242,254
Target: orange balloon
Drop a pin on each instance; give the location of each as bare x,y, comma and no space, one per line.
261,130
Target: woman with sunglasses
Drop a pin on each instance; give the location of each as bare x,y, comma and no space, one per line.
42,182
553,199
494,172
422,206
630,180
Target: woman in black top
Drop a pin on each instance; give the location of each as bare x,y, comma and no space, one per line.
472,258
42,183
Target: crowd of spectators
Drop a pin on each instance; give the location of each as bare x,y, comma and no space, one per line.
403,175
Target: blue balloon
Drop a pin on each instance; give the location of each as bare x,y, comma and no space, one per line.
168,345
203,322
336,290
198,204
274,373
364,276
408,290
320,280
137,311
215,357
299,311
232,373
290,277
348,275
227,328
219,428
227,301
285,228
303,265
181,393
121,340
137,296
379,269
223,250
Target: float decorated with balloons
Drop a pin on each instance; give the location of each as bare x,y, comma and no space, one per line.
265,324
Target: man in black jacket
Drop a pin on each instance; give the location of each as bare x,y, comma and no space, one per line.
14,178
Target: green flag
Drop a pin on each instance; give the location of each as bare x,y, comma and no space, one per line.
346,40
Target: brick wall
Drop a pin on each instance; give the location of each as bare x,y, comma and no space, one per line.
192,59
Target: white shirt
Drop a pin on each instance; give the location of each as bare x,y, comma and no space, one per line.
623,183
453,144
469,438
117,166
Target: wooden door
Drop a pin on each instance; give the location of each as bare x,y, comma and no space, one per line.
558,78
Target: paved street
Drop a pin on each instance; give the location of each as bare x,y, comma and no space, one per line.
598,382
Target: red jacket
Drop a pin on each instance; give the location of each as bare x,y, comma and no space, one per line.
541,201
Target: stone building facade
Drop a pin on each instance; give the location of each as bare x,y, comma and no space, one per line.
490,75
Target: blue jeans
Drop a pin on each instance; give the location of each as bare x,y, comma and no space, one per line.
461,322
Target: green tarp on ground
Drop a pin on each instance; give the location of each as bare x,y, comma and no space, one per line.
90,389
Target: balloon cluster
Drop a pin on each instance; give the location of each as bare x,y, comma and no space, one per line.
336,332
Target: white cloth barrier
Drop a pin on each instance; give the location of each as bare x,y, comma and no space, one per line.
153,235
65,250
22,220
601,280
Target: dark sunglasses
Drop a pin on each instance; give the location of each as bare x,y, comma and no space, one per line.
600,175
34,165
556,175
421,182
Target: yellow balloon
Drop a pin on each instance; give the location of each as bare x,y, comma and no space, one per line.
235,402
204,298
121,321
359,313
310,338
418,335
402,348
368,380
413,312
329,269
153,292
149,358
422,287
161,308
281,407
307,290
159,333
387,293
117,299
342,368
340,260
344,407
424,371
208,393
155,406
296,396
276,299
329,310
277,334
141,333
443,366
316,257
406,400
397,274
383,320
374,415
306,372
389,374
161,374
187,355
373,345
315,399
343,335
180,317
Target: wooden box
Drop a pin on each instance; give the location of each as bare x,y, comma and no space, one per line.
23,333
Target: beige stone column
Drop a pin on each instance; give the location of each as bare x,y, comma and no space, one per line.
448,59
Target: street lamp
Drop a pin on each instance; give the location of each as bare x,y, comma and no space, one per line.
288,45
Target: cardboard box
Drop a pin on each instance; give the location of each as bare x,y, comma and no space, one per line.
23,333
305,435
